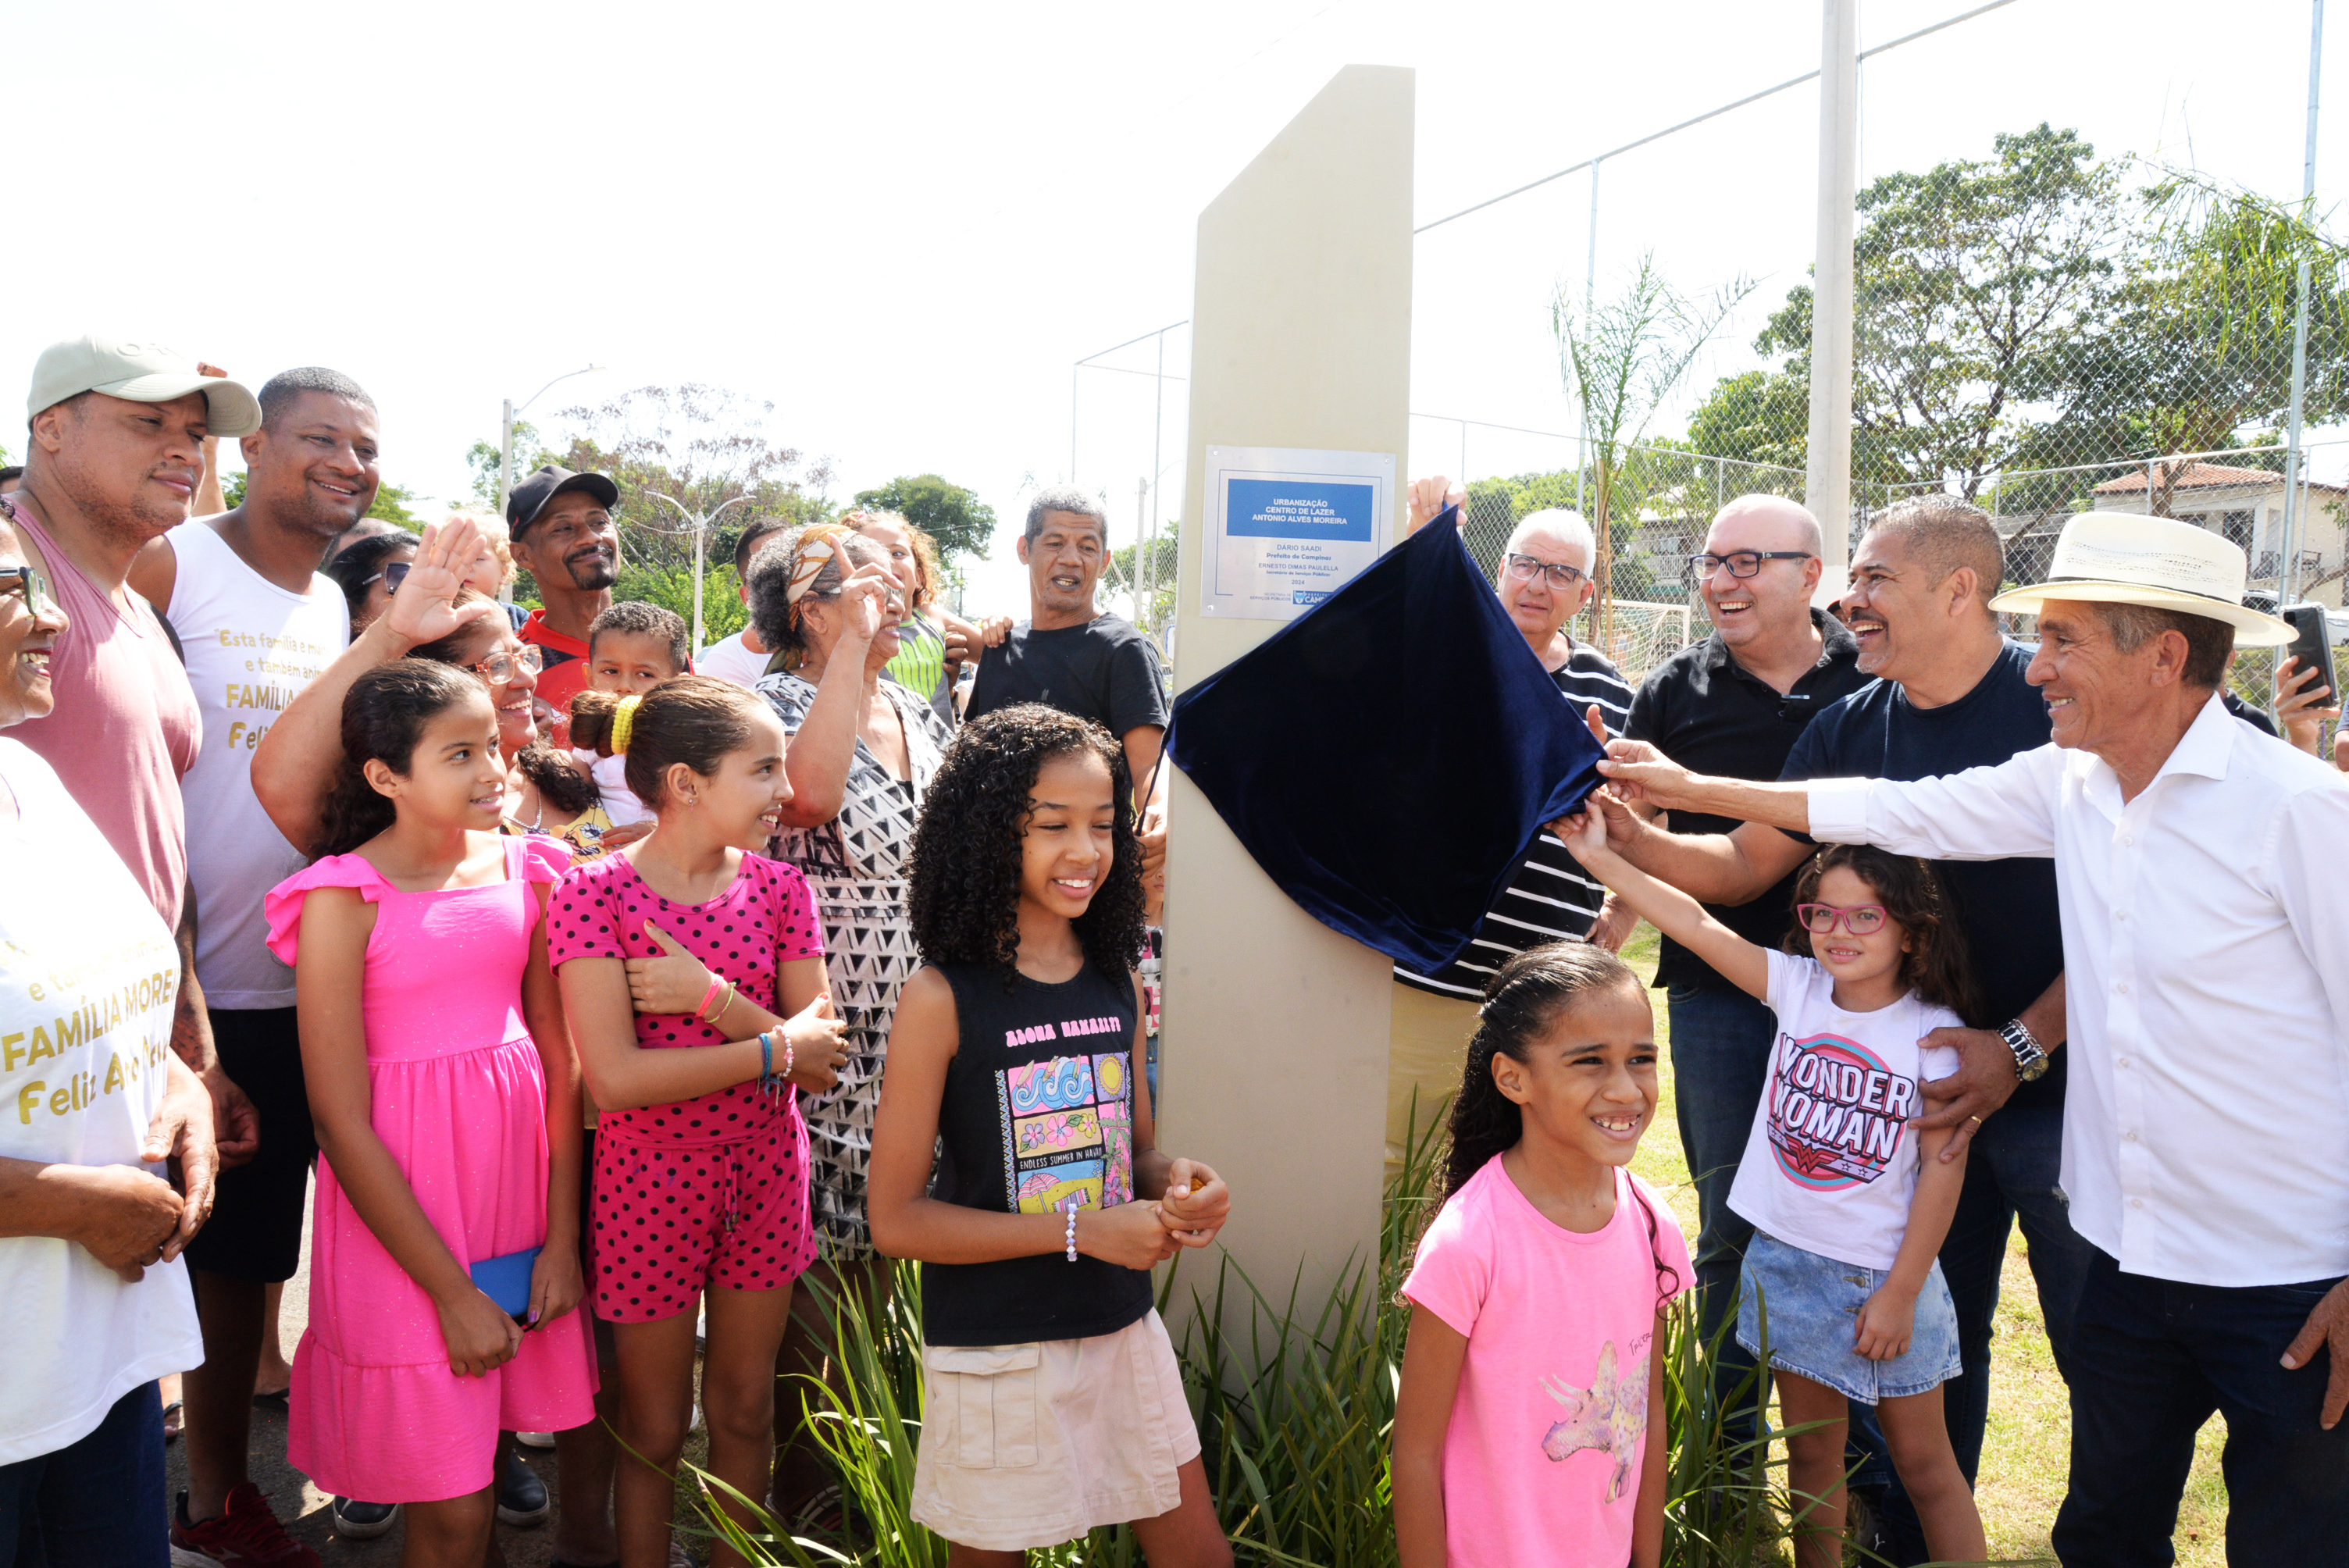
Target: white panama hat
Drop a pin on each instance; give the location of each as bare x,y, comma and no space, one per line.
2128,558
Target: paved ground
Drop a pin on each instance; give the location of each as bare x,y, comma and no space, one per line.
305,1507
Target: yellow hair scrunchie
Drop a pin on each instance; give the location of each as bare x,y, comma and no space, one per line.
623,724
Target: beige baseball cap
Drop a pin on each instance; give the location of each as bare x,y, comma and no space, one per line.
141,371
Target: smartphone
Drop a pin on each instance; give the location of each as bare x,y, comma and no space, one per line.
2312,645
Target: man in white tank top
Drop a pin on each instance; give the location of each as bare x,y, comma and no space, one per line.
257,623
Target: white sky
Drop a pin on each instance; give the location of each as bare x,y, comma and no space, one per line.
901,223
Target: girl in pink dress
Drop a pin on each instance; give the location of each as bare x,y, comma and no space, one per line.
447,1102
692,972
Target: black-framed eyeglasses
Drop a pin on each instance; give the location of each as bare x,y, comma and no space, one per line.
30,584
1741,562
392,576
499,667
1526,567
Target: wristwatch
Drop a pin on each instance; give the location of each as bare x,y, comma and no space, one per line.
2030,1056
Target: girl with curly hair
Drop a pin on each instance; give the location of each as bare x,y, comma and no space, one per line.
1841,1291
1540,1287
1055,1403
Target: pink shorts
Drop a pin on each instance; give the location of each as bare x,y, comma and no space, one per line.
671,1220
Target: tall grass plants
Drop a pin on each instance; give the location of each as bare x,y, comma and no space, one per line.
1295,1400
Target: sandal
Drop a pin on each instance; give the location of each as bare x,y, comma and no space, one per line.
175,1418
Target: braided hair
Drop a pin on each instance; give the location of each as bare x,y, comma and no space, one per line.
1522,1003
964,899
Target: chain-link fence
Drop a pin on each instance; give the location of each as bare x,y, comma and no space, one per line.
2041,325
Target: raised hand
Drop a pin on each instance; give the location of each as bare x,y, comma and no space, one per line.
675,982
1429,497
819,1044
867,596
424,607
2297,713
1640,772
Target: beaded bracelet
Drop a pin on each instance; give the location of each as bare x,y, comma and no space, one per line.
1072,1229
772,1084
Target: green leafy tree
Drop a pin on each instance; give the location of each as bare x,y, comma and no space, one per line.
1978,284
960,522
723,613
529,455
699,446
391,505
2198,346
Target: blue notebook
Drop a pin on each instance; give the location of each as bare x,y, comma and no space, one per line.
506,1280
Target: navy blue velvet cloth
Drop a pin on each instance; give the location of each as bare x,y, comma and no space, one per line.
1389,755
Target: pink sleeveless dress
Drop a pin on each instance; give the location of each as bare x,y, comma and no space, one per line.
460,1099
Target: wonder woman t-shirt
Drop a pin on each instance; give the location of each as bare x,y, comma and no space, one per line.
1831,1164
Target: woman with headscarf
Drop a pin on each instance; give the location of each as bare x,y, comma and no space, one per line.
862,752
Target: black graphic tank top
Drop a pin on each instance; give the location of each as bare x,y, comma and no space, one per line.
1037,1114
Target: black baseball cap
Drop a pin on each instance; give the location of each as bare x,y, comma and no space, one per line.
529,497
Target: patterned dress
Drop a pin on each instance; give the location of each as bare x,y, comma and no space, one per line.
856,865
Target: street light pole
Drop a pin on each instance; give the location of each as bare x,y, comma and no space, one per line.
506,429
699,523
1827,487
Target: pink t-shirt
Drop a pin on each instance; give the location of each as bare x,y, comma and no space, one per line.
125,726
1541,1460
765,917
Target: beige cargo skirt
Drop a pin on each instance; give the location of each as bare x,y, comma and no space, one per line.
1027,1445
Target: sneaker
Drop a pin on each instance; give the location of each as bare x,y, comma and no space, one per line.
521,1496
356,1520
247,1535
535,1440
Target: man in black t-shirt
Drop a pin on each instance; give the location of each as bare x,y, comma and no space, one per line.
1950,694
1069,653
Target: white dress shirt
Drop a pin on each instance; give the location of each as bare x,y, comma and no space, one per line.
2206,924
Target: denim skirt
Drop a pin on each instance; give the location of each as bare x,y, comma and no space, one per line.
1811,1305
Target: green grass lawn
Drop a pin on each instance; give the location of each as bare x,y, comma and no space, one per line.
2025,1454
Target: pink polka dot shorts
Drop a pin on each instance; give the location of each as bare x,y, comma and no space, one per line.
673,1220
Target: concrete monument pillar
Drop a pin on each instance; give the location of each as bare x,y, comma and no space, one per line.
1275,1058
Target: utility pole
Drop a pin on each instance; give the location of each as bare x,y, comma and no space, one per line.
1826,485
2295,482
699,523
506,429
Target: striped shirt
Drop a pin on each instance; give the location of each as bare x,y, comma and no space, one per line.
1551,898
920,666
